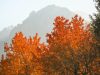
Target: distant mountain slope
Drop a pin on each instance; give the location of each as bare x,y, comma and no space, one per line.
5,33
41,21
4,37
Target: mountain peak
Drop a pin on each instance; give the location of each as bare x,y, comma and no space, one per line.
55,8
41,21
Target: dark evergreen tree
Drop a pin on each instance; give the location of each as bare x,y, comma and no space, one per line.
96,27
96,19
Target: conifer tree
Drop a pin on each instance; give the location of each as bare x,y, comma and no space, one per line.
96,19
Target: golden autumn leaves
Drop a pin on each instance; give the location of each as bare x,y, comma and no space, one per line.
72,33
23,52
67,51
26,45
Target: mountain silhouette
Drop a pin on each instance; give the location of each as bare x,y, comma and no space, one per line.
41,21
37,22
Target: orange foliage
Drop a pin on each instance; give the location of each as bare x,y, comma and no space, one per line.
73,33
75,40
22,52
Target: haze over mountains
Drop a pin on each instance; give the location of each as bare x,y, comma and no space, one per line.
38,22
41,21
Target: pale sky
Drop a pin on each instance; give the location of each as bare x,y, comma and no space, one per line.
13,12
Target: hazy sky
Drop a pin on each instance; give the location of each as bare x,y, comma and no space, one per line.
13,12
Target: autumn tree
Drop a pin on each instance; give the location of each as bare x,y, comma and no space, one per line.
69,50
22,56
68,43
